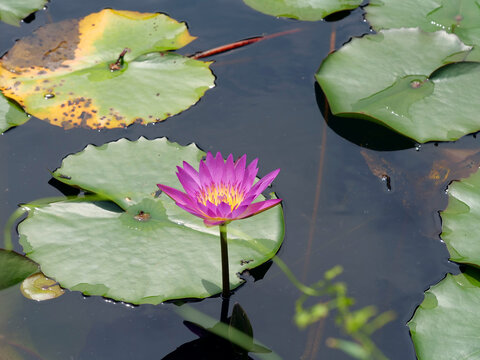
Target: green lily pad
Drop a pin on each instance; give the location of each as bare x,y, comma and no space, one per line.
309,10
399,78
14,268
109,69
461,220
461,17
10,114
40,288
137,247
447,323
12,11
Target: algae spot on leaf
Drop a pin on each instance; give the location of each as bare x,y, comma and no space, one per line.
105,71
308,10
12,11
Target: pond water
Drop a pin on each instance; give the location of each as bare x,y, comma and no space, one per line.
337,208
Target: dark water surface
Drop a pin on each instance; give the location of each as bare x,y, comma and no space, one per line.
337,209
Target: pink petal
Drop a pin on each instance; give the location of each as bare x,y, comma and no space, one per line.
229,173
250,174
205,176
213,222
259,207
209,159
215,170
238,211
220,163
240,168
189,184
190,170
211,209
178,196
191,211
262,184
223,210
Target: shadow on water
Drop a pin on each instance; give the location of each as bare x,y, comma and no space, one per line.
65,189
362,132
337,16
209,347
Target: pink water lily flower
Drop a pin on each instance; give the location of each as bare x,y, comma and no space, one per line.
221,191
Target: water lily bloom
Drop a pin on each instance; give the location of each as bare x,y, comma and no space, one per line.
221,191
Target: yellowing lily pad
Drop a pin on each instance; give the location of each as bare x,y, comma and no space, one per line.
38,287
107,70
12,11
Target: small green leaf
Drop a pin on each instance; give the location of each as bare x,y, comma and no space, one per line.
40,288
309,10
447,323
12,11
10,114
14,268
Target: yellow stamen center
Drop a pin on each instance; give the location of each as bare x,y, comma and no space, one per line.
218,193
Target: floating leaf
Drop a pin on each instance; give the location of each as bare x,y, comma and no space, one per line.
461,17
71,73
12,11
309,10
461,220
10,114
393,78
447,323
38,287
14,268
151,252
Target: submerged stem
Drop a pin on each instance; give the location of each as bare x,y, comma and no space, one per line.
7,232
224,251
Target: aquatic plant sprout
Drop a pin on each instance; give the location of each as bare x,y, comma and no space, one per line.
221,191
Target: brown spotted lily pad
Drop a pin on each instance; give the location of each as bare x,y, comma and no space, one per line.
107,70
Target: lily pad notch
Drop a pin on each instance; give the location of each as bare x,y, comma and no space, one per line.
136,246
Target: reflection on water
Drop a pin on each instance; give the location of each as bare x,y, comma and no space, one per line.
337,210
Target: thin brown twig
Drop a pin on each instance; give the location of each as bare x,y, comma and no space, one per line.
21,347
314,346
238,44
321,163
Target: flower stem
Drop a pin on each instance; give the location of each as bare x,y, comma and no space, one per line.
224,251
